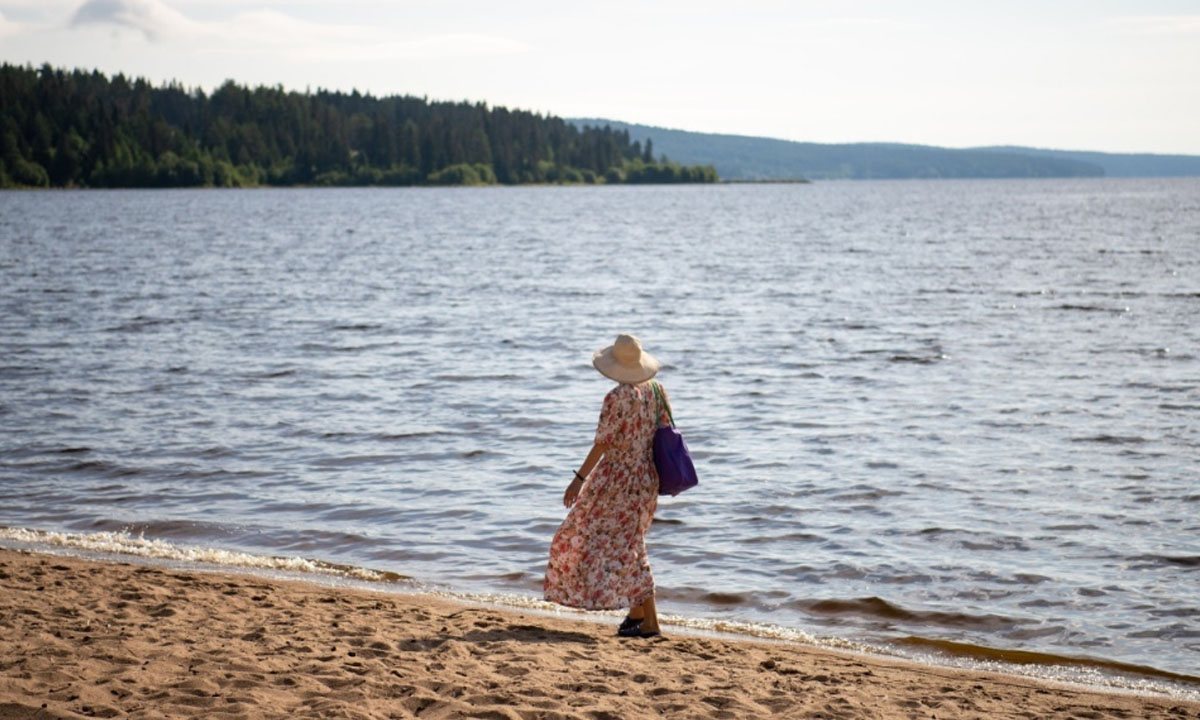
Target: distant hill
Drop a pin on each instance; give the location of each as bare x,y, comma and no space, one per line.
740,157
1118,164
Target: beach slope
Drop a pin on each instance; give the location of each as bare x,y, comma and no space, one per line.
91,639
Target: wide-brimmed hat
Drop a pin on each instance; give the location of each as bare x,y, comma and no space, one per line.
625,361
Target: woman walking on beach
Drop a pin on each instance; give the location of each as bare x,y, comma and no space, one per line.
598,556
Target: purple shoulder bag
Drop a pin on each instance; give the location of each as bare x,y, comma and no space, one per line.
676,472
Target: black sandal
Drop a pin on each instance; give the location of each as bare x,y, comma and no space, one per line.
628,623
635,631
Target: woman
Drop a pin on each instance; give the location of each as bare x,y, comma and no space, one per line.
598,556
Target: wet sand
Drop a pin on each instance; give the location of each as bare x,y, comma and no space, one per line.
92,639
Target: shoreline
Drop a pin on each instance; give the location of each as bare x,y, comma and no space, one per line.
1089,672
97,638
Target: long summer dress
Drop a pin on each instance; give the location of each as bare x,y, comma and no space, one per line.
598,556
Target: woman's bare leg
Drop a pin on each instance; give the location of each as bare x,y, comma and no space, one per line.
650,615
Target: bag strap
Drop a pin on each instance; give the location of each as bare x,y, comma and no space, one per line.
662,402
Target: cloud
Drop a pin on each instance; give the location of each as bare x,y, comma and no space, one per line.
271,27
271,32
1178,25
14,28
853,23
456,45
37,4
153,18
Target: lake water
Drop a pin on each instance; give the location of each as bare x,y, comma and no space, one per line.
922,412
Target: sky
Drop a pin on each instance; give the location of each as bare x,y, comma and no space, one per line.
1108,75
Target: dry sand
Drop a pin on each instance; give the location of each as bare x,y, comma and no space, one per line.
89,639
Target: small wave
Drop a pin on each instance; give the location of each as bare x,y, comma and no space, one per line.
140,323
160,529
790,537
1137,385
348,460
105,468
23,370
327,348
918,359
996,543
1111,439
865,492
528,422
193,473
881,465
348,437
123,543
879,608
720,598
1181,560
1050,662
408,435
1091,308
949,291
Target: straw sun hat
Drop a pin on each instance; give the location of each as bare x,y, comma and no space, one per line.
625,362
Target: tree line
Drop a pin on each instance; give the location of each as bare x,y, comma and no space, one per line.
78,128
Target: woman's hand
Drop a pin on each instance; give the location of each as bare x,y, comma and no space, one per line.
584,472
572,492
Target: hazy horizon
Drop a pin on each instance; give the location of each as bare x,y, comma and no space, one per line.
624,121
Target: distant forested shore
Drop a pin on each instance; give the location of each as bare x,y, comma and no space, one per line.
81,128
740,157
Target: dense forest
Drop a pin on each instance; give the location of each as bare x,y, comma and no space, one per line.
83,129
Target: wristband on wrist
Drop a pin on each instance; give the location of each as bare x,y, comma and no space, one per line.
581,478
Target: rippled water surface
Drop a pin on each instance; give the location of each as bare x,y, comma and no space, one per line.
964,411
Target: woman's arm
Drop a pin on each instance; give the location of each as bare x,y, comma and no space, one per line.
589,462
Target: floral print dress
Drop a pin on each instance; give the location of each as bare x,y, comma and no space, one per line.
598,556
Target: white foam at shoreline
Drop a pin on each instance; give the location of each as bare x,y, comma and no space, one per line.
122,543
1073,675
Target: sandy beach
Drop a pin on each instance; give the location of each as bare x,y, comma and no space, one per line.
91,639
